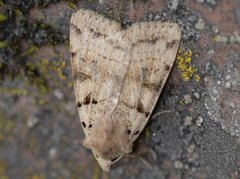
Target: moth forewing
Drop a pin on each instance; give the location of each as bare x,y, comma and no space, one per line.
118,77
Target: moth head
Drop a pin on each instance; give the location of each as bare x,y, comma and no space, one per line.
105,154
109,142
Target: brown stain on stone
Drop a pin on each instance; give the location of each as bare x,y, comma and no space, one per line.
140,8
222,14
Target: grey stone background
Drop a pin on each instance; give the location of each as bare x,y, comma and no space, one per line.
194,131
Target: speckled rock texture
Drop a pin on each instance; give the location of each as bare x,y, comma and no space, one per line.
194,131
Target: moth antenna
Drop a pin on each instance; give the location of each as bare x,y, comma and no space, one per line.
161,113
146,163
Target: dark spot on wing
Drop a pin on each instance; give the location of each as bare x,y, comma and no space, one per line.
78,31
151,41
99,34
94,101
90,126
140,107
73,54
81,76
144,74
153,86
171,44
127,105
129,131
83,124
167,67
87,99
147,114
137,132
79,105
119,47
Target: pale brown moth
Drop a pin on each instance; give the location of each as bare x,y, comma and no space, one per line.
118,77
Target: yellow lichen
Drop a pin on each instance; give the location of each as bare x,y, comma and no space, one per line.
37,176
42,102
3,167
185,67
29,51
13,91
70,85
197,77
1,3
3,44
33,145
2,137
6,126
148,132
18,12
3,17
96,173
4,177
9,126
71,4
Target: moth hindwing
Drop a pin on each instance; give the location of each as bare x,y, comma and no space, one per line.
118,77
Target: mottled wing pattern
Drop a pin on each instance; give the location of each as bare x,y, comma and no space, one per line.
153,51
98,70
118,77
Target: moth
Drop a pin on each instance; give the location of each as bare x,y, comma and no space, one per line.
118,76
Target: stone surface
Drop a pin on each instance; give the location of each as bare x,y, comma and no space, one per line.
36,83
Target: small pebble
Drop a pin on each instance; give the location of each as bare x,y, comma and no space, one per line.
215,29
211,52
191,148
187,99
222,38
32,121
188,121
200,24
228,77
157,17
196,95
178,164
199,121
228,85
173,4
58,94
53,152
213,2
150,16
101,1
